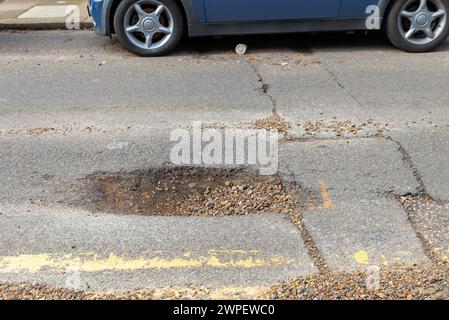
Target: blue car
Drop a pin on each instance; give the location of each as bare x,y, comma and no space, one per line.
155,27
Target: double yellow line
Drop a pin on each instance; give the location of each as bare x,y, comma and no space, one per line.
93,262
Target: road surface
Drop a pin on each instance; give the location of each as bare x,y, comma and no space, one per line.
368,134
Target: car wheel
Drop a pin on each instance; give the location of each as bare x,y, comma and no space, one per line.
418,25
149,27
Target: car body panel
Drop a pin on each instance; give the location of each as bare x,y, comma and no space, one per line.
206,17
268,10
356,8
97,9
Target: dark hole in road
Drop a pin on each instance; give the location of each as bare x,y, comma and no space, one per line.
191,192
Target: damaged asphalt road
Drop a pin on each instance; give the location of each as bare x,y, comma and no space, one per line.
366,147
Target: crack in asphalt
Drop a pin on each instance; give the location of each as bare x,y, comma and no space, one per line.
295,217
312,249
421,195
339,83
407,159
291,139
264,88
310,51
419,198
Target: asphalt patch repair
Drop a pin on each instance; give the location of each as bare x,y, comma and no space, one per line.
186,191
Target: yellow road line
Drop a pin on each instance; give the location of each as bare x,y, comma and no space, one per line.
327,203
364,257
92,262
361,257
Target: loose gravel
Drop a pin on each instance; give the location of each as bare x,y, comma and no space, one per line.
60,130
418,282
272,123
341,128
191,192
395,282
430,219
45,292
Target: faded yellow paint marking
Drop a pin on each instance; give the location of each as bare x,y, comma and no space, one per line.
361,257
91,262
327,203
374,257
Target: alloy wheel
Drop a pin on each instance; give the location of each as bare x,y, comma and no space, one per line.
148,24
422,21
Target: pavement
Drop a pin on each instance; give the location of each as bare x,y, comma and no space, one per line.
368,136
44,14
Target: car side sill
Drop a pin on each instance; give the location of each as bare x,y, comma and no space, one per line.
265,27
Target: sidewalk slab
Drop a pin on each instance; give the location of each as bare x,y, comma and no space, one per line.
42,14
10,9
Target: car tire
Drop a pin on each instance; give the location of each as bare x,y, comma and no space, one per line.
410,26
149,28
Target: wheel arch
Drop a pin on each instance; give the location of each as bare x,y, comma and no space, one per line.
385,7
186,7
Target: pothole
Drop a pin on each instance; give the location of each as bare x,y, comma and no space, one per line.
186,191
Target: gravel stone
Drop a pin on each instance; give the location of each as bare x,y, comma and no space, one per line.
395,282
189,192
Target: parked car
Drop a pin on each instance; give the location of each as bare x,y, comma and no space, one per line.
155,27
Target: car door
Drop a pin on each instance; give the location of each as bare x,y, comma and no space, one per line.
266,10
